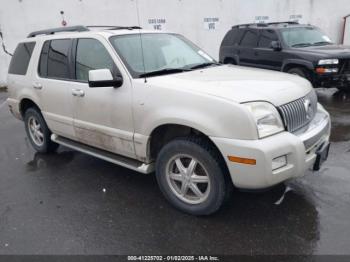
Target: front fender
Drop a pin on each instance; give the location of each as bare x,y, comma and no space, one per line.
309,65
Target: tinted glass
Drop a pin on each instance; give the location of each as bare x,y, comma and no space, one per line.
58,63
249,39
43,59
266,37
91,54
21,57
228,39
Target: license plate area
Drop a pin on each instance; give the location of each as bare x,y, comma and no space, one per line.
321,155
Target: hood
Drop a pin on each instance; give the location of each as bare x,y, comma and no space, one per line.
332,51
238,84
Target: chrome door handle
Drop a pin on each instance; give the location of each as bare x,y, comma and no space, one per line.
37,86
78,92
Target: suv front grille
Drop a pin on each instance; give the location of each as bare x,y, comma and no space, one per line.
300,112
345,68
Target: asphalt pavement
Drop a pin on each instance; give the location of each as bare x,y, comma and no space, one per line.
71,203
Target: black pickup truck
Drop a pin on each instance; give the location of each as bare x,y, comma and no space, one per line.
289,47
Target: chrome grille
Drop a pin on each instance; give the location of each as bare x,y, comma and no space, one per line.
300,112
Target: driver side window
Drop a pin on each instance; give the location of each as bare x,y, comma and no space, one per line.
91,55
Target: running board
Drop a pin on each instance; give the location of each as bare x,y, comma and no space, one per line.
105,155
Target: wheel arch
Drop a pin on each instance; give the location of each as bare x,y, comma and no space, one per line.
25,104
293,63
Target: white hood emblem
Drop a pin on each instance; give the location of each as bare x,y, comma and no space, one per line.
308,108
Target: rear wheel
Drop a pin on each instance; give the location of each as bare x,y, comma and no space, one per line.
38,132
191,175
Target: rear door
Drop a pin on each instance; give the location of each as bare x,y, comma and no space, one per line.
247,47
102,116
52,82
266,57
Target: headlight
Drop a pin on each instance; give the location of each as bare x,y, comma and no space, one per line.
267,118
328,62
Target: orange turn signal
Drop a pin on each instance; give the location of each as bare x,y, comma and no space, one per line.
241,160
320,70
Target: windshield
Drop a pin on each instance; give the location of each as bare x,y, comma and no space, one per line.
304,36
168,53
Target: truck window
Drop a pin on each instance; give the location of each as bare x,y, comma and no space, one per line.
266,37
250,39
21,57
91,55
54,61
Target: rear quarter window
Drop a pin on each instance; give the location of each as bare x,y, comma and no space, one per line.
21,57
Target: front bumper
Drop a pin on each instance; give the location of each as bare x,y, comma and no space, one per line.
300,149
331,80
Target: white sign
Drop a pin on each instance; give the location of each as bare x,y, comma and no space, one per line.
295,18
211,23
157,23
262,19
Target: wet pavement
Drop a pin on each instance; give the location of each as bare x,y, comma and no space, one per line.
71,203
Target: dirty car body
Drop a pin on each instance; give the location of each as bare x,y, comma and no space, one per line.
154,101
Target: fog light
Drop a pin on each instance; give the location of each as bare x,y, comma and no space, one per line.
279,162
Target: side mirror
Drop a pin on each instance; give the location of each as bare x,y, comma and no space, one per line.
104,78
276,45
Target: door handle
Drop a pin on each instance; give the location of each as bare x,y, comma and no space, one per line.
37,86
78,92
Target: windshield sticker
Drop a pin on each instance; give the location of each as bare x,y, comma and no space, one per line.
326,38
200,52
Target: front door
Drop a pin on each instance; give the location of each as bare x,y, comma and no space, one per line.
103,115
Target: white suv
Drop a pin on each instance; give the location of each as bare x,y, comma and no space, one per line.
153,101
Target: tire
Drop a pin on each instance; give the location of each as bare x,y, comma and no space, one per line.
230,61
209,165
40,138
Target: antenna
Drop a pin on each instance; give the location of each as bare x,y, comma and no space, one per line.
142,53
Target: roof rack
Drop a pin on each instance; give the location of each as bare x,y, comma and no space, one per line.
79,28
114,27
52,31
267,24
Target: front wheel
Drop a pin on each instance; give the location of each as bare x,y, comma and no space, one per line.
191,175
38,132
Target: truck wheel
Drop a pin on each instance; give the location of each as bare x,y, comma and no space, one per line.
38,132
191,175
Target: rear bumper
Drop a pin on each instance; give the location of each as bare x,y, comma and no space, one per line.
13,105
299,149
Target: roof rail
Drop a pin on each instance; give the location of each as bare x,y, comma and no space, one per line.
267,24
114,27
79,28
52,31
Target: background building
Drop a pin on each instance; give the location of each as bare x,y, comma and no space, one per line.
205,22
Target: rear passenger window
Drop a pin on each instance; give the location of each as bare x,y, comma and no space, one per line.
250,39
21,57
91,55
54,61
266,37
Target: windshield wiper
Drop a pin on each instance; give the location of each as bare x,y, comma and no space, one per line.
322,43
302,45
164,71
203,65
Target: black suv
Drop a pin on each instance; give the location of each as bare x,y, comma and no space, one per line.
289,47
